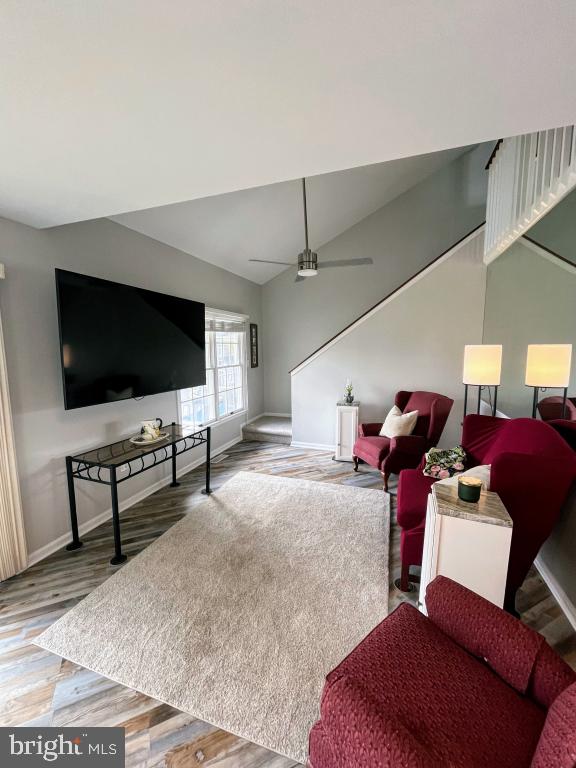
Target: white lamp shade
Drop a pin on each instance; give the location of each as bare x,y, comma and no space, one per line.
548,365
482,365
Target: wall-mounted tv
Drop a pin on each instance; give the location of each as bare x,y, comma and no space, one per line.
118,341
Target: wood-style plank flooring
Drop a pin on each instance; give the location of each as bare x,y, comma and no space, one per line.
38,688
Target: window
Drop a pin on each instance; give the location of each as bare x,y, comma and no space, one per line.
224,393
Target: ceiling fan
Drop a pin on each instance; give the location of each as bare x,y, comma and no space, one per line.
308,265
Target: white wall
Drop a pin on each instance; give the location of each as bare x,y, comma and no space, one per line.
415,341
45,432
401,238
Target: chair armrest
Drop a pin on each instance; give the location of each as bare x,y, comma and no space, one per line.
360,732
568,423
371,429
557,744
509,647
405,453
550,677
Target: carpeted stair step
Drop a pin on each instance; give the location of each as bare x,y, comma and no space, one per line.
269,429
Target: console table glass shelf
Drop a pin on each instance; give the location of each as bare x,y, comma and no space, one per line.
113,464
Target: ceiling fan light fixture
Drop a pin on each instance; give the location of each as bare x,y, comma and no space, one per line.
307,263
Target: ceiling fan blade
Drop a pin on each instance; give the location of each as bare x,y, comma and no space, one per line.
281,263
344,263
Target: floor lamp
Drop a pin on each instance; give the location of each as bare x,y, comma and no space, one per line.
548,367
482,368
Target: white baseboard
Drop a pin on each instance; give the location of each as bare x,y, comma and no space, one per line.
94,522
568,607
312,446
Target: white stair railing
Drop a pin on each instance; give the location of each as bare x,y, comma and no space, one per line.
528,175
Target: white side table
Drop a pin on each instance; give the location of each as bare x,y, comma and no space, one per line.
346,429
469,543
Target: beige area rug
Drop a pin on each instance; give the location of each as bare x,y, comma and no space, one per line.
237,613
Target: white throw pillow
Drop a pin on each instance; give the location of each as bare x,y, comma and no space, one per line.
482,472
398,424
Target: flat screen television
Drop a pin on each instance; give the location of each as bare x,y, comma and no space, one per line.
118,341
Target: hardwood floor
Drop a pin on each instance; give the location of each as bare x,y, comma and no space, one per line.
38,688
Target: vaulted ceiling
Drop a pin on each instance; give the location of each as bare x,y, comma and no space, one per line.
267,222
108,107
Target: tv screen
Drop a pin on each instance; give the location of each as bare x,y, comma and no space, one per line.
118,341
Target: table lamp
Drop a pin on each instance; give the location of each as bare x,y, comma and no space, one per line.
482,368
548,367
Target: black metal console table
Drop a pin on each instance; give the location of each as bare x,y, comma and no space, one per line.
117,462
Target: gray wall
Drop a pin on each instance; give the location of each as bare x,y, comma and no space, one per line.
529,300
415,341
532,299
401,238
557,230
45,432
558,555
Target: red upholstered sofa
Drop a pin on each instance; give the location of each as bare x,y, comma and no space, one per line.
532,469
391,455
476,689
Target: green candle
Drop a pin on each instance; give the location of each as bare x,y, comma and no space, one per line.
469,488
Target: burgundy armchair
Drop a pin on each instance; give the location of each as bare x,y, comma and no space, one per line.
477,689
551,408
532,469
392,455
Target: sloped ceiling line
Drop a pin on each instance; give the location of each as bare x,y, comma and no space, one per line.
266,222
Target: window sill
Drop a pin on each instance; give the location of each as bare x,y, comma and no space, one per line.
224,419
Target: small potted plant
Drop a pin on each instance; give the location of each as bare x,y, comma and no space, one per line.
348,389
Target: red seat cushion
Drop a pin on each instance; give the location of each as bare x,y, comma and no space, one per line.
453,705
413,490
372,449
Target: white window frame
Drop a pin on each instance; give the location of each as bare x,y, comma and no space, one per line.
234,317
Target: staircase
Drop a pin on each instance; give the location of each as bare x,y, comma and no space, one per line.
269,429
379,361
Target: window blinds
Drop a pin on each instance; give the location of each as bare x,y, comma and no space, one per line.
225,322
